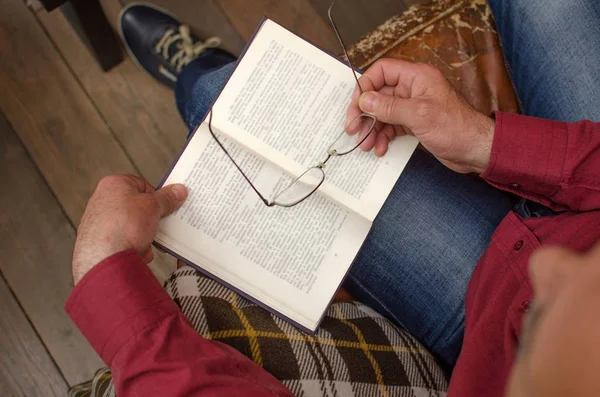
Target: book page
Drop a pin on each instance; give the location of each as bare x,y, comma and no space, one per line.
290,259
287,101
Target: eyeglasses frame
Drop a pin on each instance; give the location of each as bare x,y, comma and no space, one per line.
330,153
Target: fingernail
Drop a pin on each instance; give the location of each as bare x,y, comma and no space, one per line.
180,191
368,101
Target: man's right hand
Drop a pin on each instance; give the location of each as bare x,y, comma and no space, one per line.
417,99
123,213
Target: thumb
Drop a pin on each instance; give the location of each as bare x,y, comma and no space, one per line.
388,109
170,198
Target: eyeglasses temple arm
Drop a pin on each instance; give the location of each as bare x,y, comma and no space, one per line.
337,33
264,200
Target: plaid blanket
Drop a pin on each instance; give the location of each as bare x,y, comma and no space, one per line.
356,352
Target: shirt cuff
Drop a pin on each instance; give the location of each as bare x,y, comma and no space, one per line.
528,155
116,300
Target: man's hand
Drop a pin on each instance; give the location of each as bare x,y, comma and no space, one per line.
123,213
417,99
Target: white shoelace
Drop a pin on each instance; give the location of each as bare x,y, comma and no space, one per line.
187,50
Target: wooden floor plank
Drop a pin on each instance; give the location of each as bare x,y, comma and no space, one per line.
59,125
26,368
297,15
355,18
36,241
140,111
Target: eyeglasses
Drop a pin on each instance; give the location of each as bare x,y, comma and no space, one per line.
306,184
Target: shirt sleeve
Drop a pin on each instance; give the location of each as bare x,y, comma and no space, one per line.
551,162
150,347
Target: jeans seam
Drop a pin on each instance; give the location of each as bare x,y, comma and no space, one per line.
459,328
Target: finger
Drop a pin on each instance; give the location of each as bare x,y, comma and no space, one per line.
139,184
170,198
407,130
400,130
393,73
379,126
389,77
388,109
352,112
369,143
351,122
124,184
389,132
381,145
387,90
148,188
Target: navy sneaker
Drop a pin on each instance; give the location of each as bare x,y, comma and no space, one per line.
163,46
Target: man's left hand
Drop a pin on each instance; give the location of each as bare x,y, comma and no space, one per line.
123,213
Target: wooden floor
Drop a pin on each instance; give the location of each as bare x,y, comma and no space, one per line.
63,125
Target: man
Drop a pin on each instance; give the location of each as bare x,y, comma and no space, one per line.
441,236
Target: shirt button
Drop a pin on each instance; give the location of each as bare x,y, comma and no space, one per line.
525,306
515,185
518,245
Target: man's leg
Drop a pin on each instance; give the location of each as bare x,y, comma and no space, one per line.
167,50
417,261
552,50
196,89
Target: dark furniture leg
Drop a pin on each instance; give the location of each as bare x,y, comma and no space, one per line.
88,19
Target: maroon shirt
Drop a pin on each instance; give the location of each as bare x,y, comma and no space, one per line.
154,351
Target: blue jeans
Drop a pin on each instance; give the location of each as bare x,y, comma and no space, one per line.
416,263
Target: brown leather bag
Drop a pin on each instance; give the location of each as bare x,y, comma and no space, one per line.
457,36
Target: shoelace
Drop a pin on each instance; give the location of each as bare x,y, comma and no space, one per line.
187,50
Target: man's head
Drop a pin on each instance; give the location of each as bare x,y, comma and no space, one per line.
560,346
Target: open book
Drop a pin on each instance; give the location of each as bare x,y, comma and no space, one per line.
283,106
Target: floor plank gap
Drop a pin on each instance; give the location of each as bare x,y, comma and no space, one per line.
22,309
83,88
